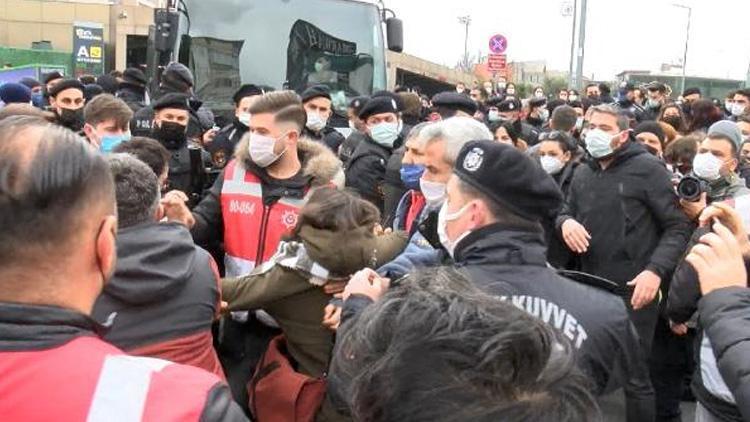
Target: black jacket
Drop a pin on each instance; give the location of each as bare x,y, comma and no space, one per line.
725,317
346,151
165,289
134,96
36,328
365,172
683,301
558,254
142,122
511,263
223,145
393,186
632,213
329,136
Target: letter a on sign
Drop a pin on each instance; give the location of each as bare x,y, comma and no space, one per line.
82,52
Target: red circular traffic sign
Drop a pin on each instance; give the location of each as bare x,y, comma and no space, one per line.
498,44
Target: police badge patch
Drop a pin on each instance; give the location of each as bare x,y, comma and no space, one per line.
473,159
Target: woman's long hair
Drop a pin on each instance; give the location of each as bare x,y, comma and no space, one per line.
336,210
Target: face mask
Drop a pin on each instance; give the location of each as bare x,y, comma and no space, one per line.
319,67
171,134
460,90
728,105
244,118
434,192
599,143
314,122
37,99
552,165
488,90
544,114
411,175
707,166
510,91
443,219
579,124
539,95
738,109
352,126
572,97
494,116
384,134
261,150
501,85
673,121
71,119
109,142
652,103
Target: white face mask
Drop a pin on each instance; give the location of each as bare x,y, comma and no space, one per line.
319,66
244,118
579,124
261,150
599,143
550,164
738,109
510,91
315,122
434,193
572,97
707,166
443,219
385,133
352,126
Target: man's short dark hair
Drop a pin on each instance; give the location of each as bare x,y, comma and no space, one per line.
286,106
137,190
105,107
564,118
436,346
50,180
744,92
148,150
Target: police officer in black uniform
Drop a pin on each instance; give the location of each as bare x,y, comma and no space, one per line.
510,110
187,165
319,108
450,104
222,147
132,89
490,225
626,101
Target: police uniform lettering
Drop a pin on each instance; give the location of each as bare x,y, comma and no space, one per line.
552,314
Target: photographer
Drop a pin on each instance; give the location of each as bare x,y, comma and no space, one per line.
714,176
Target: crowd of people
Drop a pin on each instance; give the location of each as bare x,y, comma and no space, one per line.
473,255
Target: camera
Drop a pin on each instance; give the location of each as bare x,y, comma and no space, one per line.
690,188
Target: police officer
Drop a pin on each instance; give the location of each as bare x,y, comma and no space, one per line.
222,147
490,225
450,104
626,101
187,164
319,108
510,110
66,101
132,89
176,78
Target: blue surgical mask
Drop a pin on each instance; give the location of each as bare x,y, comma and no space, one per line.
410,175
109,142
385,133
37,99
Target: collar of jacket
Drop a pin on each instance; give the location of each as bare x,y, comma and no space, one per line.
501,244
34,327
726,187
320,166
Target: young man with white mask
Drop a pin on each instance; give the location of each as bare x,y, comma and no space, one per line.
319,108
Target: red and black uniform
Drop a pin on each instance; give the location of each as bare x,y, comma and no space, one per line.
165,293
251,211
54,367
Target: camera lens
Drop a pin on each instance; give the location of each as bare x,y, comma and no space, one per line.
689,189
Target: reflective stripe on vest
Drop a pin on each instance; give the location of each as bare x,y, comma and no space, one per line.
122,388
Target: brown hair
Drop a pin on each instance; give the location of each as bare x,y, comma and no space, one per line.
105,107
336,210
20,109
286,107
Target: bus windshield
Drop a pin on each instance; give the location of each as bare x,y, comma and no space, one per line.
283,44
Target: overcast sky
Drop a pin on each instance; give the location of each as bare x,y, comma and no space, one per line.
620,34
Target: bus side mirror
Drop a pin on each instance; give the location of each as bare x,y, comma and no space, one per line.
394,28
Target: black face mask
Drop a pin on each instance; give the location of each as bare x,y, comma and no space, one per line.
170,134
71,119
673,121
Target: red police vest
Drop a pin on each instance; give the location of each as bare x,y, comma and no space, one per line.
252,231
87,379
